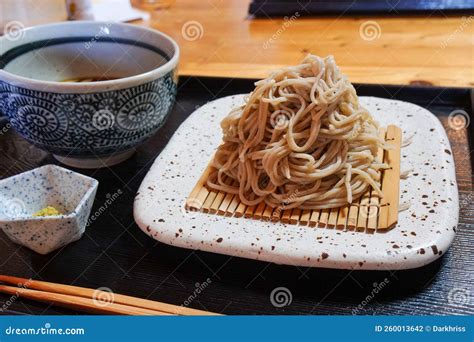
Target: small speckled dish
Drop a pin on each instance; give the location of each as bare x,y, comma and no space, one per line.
71,193
423,233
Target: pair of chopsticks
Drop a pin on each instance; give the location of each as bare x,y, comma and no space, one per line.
90,300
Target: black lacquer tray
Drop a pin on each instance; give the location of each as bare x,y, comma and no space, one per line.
270,8
115,253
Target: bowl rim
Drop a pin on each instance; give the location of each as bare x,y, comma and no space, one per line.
92,87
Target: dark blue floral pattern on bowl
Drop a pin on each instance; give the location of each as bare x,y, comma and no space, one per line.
83,125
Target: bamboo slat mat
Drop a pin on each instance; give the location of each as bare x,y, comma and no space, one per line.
369,213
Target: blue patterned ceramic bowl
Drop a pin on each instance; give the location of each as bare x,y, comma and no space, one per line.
88,92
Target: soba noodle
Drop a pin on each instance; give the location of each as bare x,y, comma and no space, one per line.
301,140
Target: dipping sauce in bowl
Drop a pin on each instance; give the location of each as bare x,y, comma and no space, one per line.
90,79
88,92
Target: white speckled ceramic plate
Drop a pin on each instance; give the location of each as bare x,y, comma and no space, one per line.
423,233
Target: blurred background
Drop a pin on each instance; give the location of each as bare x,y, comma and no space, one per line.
391,42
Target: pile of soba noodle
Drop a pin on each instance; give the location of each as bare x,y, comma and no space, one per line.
301,140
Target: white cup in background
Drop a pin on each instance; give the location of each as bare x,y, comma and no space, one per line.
16,14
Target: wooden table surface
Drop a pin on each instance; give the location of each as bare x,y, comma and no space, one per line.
218,38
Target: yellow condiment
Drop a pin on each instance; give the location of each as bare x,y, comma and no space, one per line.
48,211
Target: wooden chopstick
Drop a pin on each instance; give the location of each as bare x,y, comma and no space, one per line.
77,303
82,296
